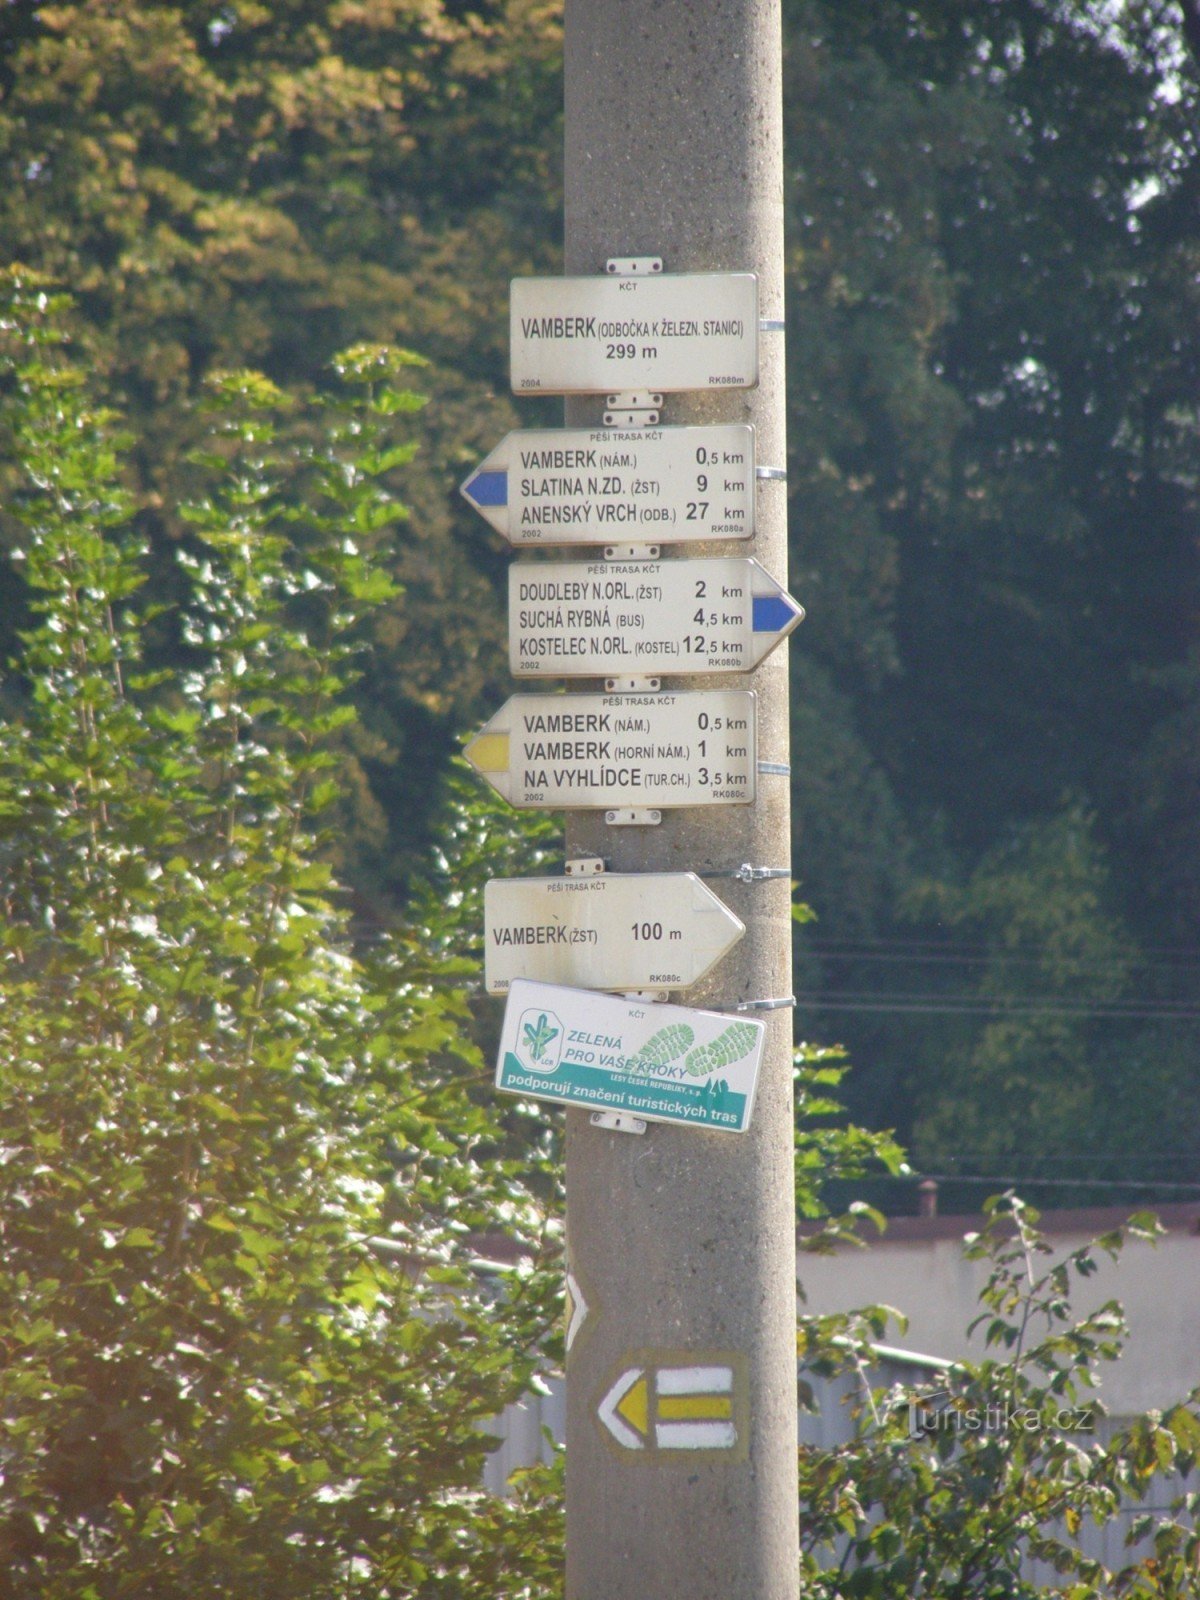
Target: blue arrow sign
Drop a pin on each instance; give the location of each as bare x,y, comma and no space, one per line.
487,489
772,613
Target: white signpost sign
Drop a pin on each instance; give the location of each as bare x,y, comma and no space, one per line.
616,930
590,486
662,1063
586,751
576,619
668,332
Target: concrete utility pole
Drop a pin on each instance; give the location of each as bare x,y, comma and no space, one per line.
682,1242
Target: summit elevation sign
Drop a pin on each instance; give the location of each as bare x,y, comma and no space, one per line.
692,330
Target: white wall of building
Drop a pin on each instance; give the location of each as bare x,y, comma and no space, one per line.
918,1267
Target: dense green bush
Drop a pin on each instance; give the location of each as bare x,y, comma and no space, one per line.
213,1379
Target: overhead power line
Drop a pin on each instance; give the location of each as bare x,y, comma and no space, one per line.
978,1006
964,948
1062,1183
1090,1157
902,956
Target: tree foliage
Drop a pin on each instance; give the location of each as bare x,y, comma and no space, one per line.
245,1349
980,1483
231,185
994,436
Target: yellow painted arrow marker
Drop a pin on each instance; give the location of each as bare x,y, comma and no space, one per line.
673,1407
634,1407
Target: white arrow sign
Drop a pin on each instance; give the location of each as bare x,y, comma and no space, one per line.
576,619
589,486
695,330
581,751
637,930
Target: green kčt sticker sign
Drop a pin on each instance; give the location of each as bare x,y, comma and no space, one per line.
659,1062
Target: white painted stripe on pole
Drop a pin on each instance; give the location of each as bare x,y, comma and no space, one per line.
694,1380
577,1309
695,1435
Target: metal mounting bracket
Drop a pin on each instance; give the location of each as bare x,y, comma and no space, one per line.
633,408
632,552
632,685
633,817
633,266
584,866
617,1122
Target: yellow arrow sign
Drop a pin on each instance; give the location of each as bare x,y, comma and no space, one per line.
693,747
488,752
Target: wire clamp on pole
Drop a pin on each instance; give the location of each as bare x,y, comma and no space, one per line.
749,874
784,1003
